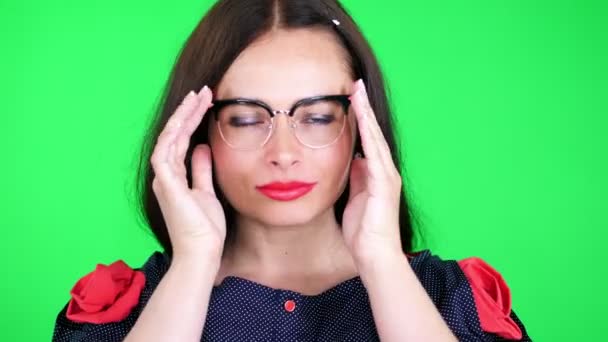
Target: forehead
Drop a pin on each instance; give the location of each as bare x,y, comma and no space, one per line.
284,66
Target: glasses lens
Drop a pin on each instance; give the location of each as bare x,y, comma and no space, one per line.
244,125
319,123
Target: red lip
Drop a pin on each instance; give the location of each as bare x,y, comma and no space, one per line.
285,191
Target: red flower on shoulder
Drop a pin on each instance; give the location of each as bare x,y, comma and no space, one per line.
106,295
492,298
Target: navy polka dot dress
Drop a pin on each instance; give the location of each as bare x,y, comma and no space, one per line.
243,310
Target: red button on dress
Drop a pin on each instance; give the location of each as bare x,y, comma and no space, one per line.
290,305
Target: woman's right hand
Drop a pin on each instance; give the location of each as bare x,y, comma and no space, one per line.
194,216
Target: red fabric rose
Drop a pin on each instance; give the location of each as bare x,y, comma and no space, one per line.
492,298
106,295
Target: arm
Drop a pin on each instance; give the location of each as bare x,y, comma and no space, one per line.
401,307
178,308
195,222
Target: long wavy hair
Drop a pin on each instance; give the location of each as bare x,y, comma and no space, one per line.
221,35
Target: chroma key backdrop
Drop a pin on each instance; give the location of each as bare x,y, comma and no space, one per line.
501,107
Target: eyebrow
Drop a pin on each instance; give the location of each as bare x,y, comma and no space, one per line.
268,105
229,95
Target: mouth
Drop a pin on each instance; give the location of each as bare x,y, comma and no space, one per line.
285,191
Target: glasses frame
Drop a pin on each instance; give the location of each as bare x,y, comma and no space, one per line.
219,104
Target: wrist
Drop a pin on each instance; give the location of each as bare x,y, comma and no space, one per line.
196,262
381,265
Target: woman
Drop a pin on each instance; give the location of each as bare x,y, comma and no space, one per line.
275,193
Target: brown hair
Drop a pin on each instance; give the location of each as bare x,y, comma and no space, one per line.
221,35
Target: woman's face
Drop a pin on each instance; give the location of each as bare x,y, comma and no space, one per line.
281,68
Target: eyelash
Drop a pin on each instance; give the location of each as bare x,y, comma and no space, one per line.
323,120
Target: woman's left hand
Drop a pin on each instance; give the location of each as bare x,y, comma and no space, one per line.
370,224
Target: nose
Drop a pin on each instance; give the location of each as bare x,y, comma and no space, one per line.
282,149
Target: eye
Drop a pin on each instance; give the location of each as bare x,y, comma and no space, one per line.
244,121
318,119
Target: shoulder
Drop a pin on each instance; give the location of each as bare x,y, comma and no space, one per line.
470,294
110,295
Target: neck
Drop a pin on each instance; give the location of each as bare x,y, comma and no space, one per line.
307,250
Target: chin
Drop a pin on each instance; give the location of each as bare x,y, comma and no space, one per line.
283,221
286,214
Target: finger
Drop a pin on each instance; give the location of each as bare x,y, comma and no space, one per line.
202,172
382,152
169,186
368,139
205,97
191,123
179,169
171,130
358,176
176,120
373,122
164,150
177,123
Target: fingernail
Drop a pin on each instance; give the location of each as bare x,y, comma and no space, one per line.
359,90
207,90
361,87
189,96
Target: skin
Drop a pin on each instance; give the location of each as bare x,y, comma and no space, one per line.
296,245
276,240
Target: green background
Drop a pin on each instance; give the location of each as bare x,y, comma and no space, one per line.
502,109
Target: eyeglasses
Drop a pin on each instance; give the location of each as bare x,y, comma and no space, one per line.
247,124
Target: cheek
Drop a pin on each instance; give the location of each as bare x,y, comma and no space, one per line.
336,160
227,165
330,165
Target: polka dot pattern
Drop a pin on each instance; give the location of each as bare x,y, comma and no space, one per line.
243,310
